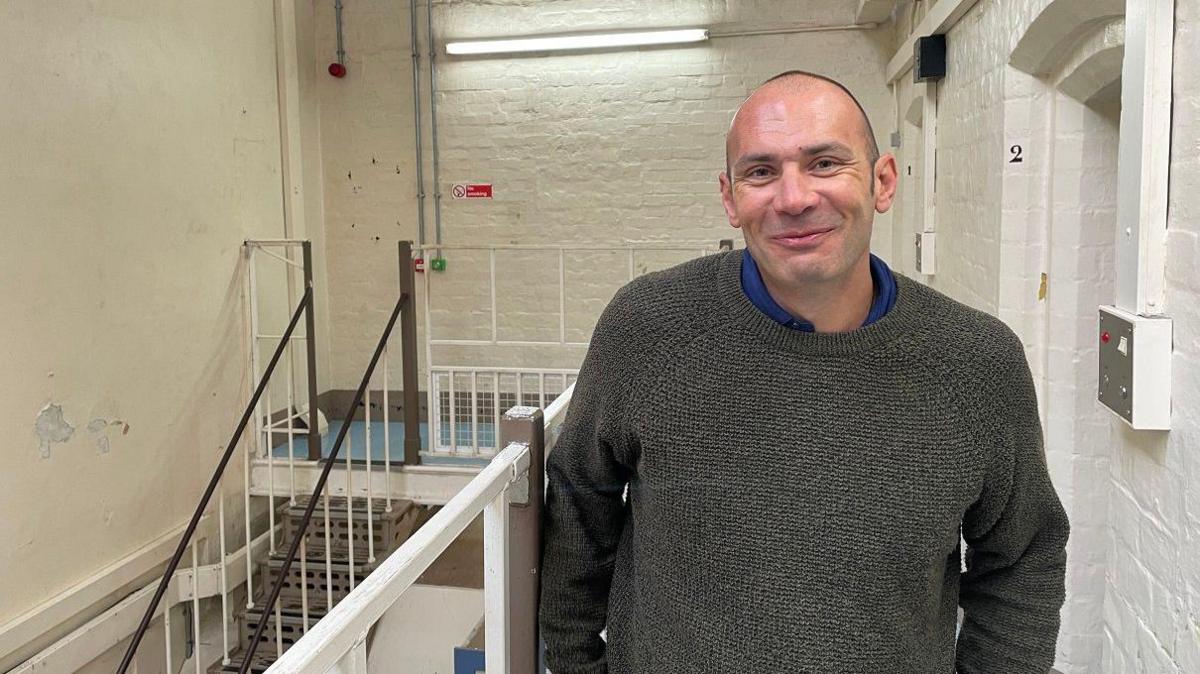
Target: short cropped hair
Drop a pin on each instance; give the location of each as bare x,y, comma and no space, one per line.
872,147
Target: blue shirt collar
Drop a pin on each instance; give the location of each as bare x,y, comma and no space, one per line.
756,292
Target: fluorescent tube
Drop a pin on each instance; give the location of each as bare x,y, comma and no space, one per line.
592,41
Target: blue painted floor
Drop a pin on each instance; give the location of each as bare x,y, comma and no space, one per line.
356,442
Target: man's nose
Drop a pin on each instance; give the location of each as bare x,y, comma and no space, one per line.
795,194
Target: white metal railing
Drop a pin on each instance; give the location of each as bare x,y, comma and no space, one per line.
188,586
461,400
630,252
189,591
268,424
464,419
338,641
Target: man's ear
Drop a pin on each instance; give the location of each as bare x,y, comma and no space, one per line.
886,177
727,198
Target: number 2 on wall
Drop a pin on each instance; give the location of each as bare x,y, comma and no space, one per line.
1015,151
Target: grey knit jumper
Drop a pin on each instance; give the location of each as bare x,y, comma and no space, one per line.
795,499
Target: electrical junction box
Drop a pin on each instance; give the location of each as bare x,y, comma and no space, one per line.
1135,368
925,250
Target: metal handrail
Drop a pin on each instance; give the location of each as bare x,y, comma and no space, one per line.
302,527
305,305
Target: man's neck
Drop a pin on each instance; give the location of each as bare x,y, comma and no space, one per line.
838,305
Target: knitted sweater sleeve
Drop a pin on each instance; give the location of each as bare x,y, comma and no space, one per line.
585,513
1016,534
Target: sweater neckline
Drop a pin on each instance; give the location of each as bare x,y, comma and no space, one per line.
902,320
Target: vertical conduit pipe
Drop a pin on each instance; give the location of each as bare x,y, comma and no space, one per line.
437,188
337,12
417,130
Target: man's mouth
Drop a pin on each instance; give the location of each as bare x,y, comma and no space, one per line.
801,239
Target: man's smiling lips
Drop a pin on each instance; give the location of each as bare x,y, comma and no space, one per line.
801,239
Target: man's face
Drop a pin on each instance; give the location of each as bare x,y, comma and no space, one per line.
802,187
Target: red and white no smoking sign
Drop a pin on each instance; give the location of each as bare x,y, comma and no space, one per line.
472,191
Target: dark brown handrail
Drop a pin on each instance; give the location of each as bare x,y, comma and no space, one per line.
281,577
304,305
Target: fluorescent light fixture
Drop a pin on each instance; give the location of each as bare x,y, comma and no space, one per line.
590,41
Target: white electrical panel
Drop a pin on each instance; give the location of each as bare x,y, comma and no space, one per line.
1135,367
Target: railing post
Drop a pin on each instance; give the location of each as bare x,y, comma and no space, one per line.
498,584
525,424
310,344
408,360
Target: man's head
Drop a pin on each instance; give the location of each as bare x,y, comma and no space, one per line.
804,180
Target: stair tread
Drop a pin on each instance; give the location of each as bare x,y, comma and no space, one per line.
337,507
292,608
260,663
316,557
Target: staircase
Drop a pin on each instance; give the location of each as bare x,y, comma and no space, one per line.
322,580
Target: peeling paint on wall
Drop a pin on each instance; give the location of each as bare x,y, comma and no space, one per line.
96,428
51,427
99,430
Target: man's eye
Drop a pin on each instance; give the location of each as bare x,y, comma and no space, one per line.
825,164
758,172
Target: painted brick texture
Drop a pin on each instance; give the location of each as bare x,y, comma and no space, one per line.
1133,579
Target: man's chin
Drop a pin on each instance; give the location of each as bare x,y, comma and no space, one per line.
798,275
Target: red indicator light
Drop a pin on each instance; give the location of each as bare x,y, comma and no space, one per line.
337,70
1104,337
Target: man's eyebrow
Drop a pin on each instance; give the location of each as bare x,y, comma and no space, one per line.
761,157
832,146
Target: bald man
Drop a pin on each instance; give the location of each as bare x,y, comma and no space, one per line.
805,438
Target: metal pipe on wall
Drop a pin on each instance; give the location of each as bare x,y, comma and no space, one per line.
437,189
417,130
337,12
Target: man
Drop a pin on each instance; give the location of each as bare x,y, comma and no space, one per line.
804,436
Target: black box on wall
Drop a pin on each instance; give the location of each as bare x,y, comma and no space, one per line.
929,58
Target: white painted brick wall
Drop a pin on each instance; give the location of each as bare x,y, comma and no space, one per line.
1158,475
1134,498
585,148
1082,216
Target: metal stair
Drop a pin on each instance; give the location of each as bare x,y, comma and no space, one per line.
316,581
